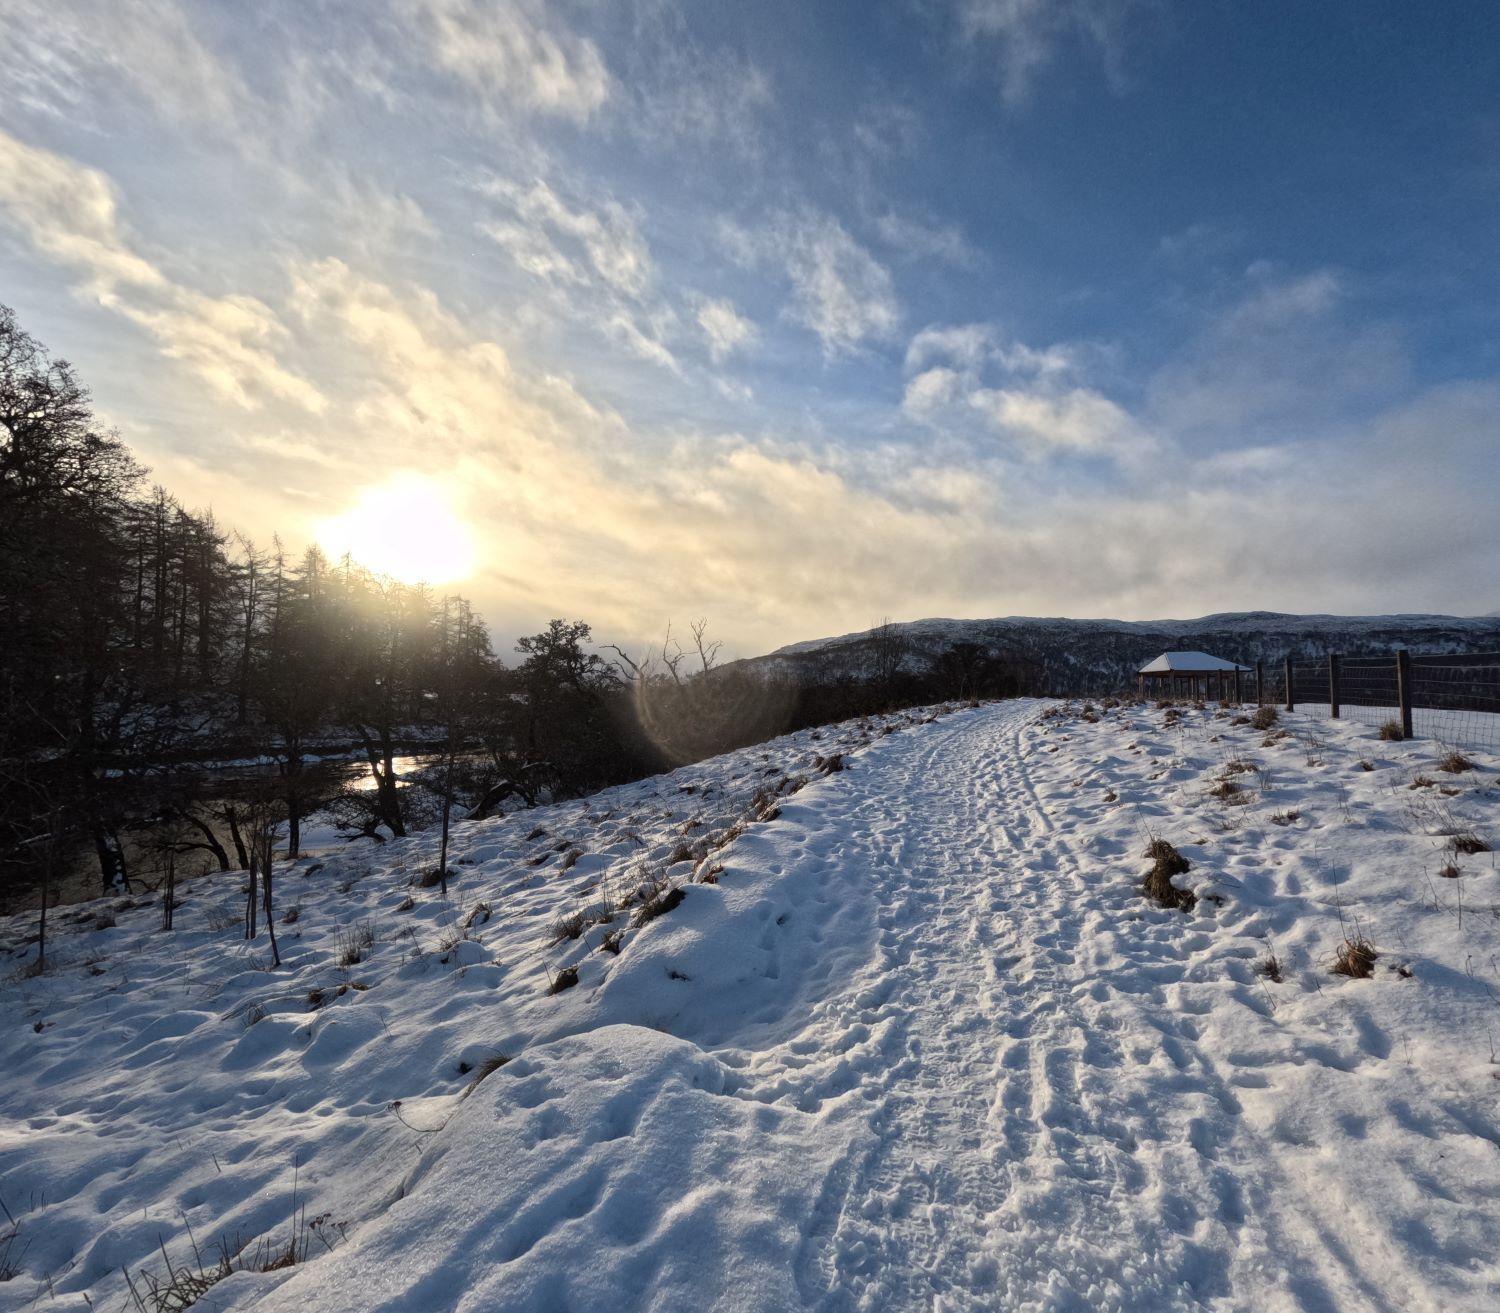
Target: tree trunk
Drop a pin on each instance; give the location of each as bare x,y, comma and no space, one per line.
270,839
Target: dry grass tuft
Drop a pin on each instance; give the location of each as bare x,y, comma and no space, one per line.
659,905
1366,764
488,1067
354,944
1263,718
1285,817
1355,958
564,979
1450,871
1422,782
1270,967
1455,763
1467,843
1391,732
569,926
539,832
1166,862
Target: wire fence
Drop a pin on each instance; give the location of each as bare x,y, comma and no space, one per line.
1452,699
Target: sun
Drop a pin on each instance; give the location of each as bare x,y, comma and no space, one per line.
406,529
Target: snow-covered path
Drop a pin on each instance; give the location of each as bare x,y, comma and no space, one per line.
1045,1128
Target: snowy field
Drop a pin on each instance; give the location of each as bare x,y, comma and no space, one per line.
901,1035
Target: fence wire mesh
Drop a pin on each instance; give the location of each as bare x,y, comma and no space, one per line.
1453,699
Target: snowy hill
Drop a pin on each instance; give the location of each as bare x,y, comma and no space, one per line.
1066,656
871,1017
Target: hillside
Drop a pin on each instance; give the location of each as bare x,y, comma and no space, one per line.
876,1016
1063,656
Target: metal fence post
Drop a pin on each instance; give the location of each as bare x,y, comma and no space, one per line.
1403,689
1333,683
1291,702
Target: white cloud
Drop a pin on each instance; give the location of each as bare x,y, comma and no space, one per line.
56,58
554,240
839,290
724,327
923,239
514,53
1077,420
1026,35
70,214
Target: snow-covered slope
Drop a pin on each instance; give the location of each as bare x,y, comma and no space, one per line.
1064,656
920,1043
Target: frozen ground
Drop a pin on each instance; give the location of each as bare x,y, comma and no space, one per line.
921,1043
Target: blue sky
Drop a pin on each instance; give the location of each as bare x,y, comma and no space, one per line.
794,315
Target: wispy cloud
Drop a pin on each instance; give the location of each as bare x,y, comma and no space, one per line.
514,54
69,214
1024,36
839,290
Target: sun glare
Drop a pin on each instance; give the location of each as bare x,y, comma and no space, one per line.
406,529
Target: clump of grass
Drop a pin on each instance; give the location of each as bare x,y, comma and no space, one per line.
710,874
1466,843
1455,763
564,979
293,914
1450,871
1166,862
488,1067
659,904
1239,766
1263,718
829,765
1391,732
611,942
571,925
539,832
570,859
1229,790
1366,764
316,998
253,1014
1285,817
1270,966
1355,958
406,904
354,944
1423,782
478,915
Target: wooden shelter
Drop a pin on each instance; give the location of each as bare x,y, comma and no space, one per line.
1191,674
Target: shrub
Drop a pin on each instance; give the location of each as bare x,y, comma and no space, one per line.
1355,958
1263,718
1391,732
1455,763
1166,862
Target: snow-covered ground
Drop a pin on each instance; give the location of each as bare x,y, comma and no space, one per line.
910,1038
